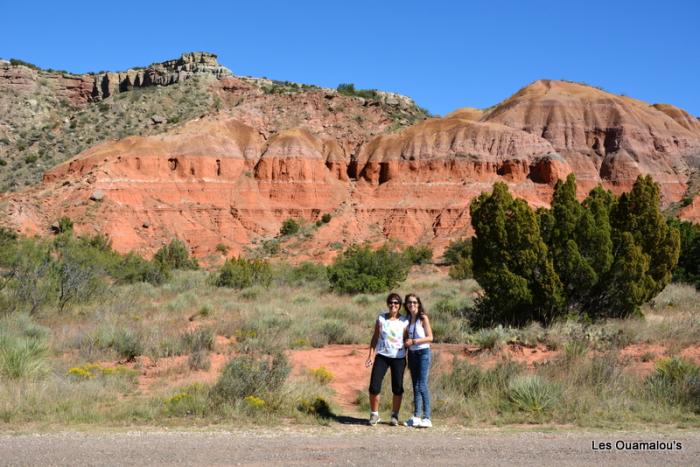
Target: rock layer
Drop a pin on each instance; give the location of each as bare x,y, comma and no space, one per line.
605,138
234,178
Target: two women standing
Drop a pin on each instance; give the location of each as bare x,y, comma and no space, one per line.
394,335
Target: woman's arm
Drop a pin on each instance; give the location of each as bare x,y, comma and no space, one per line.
373,344
428,333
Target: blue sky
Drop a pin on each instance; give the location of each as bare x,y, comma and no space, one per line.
445,55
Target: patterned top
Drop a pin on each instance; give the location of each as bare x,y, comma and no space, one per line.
390,343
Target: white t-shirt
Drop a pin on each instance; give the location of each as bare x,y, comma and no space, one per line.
390,343
416,331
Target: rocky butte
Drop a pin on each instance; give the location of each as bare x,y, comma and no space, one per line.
277,150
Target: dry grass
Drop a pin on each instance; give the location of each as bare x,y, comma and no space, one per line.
587,386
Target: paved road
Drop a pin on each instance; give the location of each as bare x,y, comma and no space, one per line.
344,445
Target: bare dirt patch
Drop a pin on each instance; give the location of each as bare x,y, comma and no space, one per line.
350,376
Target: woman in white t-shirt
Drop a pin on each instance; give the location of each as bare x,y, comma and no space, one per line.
419,335
388,345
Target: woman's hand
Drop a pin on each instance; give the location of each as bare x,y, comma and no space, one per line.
368,363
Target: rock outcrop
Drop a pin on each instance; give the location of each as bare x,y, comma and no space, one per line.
162,74
603,137
278,153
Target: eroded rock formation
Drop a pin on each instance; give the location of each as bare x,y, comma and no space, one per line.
233,178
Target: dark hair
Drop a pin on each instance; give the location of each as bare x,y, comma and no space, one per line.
421,310
393,296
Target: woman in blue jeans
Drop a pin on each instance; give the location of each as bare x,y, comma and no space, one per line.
418,337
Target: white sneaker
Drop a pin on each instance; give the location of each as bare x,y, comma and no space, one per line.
413,422
426,423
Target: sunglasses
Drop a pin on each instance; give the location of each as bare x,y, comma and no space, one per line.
411,302
394,302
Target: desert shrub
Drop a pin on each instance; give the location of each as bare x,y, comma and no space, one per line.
240,273
326,218
254,404
78,273
490,339
28,276
348,89
330,331
500,376
221,248
575,349
199,360
18,62
127,343
304,273
192,400
531,335
22,357
468,380
289,227
458,255
270,247
456,250
7,237
201,338
446,305
94,370
465,378
359,269
252,293
676,381
421,254
205,310
462,269
175,255
247,375
65,224
132,268
533,394
318,407
322,375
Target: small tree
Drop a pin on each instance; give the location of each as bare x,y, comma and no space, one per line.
603,257
421,254
132,268
638,212
289,227
79,277
31,281
511,261
240,273
359,269
175,255
571,234
458,255
688,268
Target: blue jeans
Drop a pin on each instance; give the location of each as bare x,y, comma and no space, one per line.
419,366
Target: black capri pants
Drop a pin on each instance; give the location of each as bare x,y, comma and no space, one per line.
381,364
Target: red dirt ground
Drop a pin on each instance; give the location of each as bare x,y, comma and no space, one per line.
350,376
